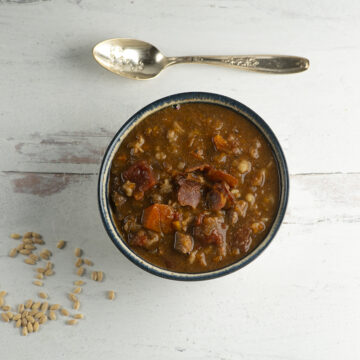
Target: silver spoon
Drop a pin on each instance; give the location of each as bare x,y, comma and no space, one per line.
140,60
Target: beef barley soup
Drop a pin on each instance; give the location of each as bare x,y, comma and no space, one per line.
194,187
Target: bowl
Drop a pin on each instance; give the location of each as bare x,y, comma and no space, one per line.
104,176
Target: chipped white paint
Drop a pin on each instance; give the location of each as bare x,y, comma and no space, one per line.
58,110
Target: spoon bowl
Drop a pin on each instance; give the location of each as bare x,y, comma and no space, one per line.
140,60
131,58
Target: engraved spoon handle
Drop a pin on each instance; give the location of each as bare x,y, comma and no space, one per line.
278,64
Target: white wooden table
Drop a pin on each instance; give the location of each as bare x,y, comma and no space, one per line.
58,111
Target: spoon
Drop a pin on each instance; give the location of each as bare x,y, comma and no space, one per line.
140,60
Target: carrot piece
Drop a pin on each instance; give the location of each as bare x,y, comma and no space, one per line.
220,143
159,218
151,218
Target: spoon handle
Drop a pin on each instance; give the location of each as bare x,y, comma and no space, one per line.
278,64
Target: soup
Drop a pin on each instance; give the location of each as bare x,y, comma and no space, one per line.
194,187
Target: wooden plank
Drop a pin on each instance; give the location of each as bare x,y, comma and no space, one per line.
64,151
289,295
58,111
314,199
60,88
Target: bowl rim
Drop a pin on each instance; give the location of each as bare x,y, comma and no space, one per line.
186,97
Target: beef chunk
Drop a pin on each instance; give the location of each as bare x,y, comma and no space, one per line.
214,175
243,239
183,243
143,239
189,192
212,230
142,175
218,176
216,199
219,196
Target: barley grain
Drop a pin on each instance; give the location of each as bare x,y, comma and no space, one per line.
49,272
61,244
43,319
43,295
100,276
6,307
30,261
25,252
10,315
94,275
78,252
79,262
88,262
13,252
30,319
33,312
36,305
64,312
72,322
15,236
76,305
39,241
36,326
27,241
18,323
34,257
81,271
44,307
111,295
78,316
55,307
24,331
21,308
77,290
45,254
28,304
79,282
30,327
52,315
38,283
39,315
5,317
72,297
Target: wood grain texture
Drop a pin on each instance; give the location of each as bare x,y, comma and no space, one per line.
58,112
314,199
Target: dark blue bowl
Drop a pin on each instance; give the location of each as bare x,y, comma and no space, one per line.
103,185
